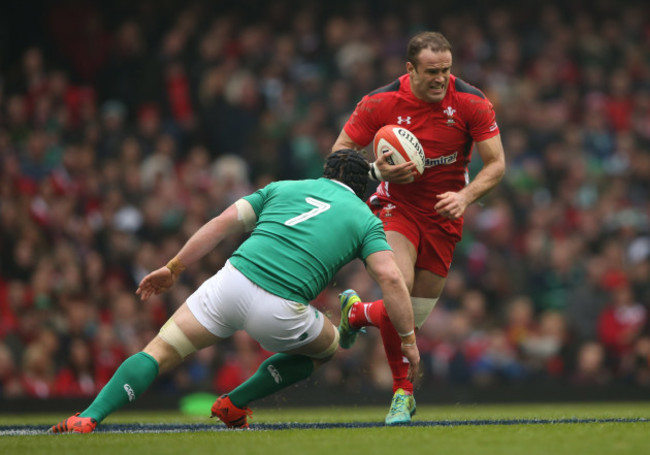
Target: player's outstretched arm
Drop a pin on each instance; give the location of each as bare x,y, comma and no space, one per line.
384,270
235,219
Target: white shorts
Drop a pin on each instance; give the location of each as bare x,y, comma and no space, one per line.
228,301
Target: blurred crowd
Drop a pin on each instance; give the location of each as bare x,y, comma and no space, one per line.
125,126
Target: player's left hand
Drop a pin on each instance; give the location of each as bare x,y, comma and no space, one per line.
156,282
451,205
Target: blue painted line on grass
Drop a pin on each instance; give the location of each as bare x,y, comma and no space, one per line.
18,430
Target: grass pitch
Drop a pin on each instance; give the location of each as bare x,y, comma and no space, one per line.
620,428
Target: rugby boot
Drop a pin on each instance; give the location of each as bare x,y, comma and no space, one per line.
230,414
74,424
402,408
347,335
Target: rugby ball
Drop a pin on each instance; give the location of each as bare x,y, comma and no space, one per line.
404,145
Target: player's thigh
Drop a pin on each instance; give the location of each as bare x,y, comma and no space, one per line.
181,335
427,284
435,254
222,301
282,325
197,334
323,346
403,236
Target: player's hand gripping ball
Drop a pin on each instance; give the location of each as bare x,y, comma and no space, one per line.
404,145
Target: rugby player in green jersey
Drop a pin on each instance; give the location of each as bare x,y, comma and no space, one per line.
303,232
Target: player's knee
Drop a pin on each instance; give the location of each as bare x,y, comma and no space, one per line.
165,356
328,352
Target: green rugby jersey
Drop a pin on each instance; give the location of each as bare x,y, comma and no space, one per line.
306,231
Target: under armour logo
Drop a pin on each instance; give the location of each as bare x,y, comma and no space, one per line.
401,120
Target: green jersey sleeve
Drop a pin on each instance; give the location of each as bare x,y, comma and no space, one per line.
257,198
375,240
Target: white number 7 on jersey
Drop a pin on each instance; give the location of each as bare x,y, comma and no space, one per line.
320,208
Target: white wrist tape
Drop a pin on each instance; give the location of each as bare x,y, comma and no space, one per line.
422,308
375,174
246,214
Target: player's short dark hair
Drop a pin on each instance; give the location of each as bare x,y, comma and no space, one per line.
350,167
434,41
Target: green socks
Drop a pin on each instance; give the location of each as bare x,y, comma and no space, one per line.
130,380
275,373
137,373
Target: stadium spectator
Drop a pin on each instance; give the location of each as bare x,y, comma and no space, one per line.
543,353
586,301
520,323
423,217
499,361
591,366
107,352
77,377
240,364
620,325
38,371
10,386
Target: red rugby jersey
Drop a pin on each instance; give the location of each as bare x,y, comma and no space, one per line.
447,131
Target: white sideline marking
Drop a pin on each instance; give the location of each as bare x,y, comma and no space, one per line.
138,428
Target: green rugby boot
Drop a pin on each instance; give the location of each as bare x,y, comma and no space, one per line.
347,334
402,408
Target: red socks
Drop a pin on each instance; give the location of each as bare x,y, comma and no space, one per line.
364,314
374,313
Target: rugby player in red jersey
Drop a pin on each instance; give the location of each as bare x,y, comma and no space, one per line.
422,215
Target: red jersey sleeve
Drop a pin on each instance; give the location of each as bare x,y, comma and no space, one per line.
364,123
482,119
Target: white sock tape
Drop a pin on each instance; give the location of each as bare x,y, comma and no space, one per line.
422,308
330,350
